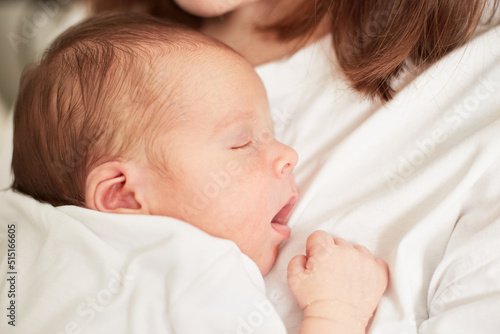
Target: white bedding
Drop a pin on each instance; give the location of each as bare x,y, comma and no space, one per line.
416,181
83,271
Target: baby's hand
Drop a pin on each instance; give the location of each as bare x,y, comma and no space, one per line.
337,281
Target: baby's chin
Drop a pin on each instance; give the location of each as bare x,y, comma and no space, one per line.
267,263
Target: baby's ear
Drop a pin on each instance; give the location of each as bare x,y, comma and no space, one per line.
115,187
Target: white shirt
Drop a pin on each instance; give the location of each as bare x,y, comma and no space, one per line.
83,271
416,180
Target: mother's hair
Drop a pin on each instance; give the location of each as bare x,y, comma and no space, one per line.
374,40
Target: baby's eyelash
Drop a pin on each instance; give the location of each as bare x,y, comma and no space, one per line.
242,146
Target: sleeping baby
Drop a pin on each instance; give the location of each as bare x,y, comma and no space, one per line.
127,114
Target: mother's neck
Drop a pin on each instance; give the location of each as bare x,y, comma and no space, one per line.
239,30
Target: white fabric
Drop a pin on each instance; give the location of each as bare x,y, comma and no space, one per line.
417,181
83,271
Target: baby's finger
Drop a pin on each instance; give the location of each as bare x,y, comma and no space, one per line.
382,264
364,250
342,242
384,272
295,271
318,243
296,266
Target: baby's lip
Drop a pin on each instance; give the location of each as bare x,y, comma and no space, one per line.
284,214
280,220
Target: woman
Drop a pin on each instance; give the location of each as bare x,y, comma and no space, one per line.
374,40
412,171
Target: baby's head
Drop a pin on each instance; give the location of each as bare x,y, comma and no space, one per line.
130,114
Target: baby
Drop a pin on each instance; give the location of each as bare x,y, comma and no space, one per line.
133,115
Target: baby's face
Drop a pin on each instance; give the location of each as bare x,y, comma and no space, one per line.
230,176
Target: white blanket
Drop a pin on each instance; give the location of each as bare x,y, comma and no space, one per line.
416,181
81,271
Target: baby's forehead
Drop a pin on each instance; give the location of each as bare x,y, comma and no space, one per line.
188,82
195,77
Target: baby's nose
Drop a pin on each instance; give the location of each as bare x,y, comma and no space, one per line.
285,161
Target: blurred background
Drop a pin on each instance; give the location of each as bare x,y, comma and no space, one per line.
26,28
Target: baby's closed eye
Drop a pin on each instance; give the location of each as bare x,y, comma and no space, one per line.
240,146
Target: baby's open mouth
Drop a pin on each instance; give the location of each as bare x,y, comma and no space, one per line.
279,222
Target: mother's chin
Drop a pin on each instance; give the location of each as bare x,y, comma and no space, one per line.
210,8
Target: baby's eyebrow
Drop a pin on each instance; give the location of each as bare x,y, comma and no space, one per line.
227,123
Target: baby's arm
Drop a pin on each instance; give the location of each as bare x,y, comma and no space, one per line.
338,285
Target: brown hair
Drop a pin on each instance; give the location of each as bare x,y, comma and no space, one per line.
94,97
374,40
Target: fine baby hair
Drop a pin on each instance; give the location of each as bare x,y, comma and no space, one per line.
92,97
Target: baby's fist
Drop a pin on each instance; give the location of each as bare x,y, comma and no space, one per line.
335,277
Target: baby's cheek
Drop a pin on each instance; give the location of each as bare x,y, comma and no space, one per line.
259,161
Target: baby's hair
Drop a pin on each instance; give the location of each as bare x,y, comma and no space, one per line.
98,94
